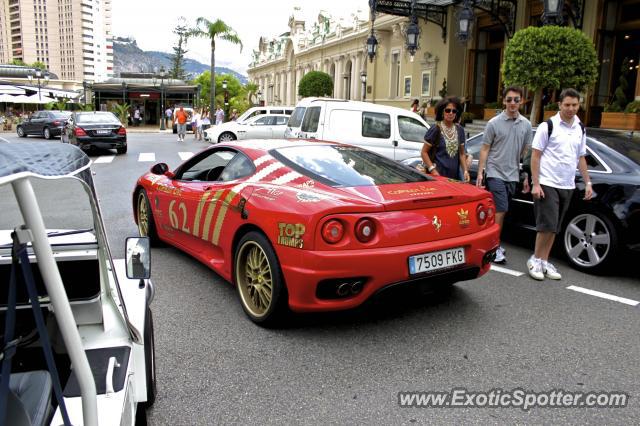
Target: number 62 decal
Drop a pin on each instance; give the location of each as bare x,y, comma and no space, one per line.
173,216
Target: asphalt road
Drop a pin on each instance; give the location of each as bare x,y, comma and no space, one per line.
500,331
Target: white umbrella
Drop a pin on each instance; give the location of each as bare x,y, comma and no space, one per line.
41,99
6,98
20,99
6,89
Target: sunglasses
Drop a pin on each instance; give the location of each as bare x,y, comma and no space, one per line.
515,100
450,110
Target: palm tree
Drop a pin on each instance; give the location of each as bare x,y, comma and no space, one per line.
212,30
252,89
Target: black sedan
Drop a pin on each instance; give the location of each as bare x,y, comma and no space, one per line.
44,123
97,129
595,231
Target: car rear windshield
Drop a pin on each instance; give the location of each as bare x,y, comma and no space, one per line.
338,165
98,117
296,118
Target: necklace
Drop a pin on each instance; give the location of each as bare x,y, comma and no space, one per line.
450,135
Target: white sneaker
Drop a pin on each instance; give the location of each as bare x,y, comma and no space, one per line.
534,265
550,271
500,256
179,140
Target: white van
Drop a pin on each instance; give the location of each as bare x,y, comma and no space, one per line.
393,132
272,109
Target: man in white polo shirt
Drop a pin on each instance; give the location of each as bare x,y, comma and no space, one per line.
554,158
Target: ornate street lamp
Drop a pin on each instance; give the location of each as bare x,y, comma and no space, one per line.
163,75
363,79
84,88
552,12
38,74
124,93
372,46
413,32
465,22
259,94
226,98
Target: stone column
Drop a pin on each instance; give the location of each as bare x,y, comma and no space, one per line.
355,78
338,84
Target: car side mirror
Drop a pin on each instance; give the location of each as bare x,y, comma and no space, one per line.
138,257
159,169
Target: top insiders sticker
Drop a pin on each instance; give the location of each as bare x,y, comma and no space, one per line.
290,235
421,190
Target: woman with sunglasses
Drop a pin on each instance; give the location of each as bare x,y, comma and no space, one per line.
443,153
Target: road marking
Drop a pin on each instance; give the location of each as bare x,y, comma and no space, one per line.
604,295
185,155
147,156
104,159
506,271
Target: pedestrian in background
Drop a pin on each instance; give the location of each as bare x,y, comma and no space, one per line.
196,123
507,139
219,116
234,115
443,153
136,117
180,117
169,115
414,106
557,150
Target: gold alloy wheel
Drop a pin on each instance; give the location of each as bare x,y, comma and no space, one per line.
143,215
254,278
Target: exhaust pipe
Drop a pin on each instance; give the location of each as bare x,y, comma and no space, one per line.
356,287
343,289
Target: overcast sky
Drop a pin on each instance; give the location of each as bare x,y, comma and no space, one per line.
151,23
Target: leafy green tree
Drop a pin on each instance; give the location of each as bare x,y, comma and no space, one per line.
549,57
212,31
315,83
39,65
237,92
121,111
177,59
19,62
58,106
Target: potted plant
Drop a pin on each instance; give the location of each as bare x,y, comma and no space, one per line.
629,119
467,117
491,109
431,110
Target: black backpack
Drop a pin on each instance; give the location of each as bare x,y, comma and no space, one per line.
550,128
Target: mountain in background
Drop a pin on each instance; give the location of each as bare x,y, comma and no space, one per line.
128,57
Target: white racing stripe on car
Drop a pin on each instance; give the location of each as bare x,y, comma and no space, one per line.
262,159
185,155
506,271
602,295
104,159
286,178
147,156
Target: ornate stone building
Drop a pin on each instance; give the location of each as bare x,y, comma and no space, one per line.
335,46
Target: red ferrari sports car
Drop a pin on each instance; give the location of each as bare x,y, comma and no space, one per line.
315,226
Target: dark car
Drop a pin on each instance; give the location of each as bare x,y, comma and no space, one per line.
96,129
44,123
594,232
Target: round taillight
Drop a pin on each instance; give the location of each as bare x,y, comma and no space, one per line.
365,230
332,231
481,214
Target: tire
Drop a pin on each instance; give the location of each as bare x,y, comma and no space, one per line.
254,253
590,241
226,137
21,132
150,360
144,214
46,133
122,150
